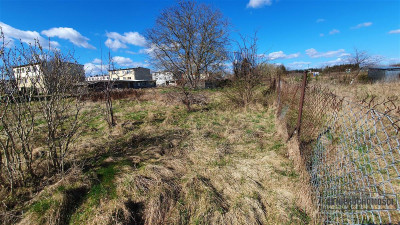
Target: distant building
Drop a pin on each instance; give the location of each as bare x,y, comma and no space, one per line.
32,76
164,78
123,78
315,73
134,74
98,77
386,74
131,74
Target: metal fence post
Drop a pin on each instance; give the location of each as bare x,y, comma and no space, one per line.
303,91
279,94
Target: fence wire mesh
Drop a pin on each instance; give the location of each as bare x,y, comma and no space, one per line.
352,153
355,167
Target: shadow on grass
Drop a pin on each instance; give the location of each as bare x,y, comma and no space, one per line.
108,161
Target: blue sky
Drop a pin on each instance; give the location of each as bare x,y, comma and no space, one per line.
299,34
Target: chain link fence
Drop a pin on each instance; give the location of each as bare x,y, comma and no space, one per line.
351,152
355,167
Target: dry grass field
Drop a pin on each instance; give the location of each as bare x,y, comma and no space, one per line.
382,96
165,165
217,164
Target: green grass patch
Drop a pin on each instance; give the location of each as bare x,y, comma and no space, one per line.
276,146
105,189
221,162
41,206
39,122
140,115
298,216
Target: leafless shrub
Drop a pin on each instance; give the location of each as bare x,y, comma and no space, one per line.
17,119
61,103
248,72
38,86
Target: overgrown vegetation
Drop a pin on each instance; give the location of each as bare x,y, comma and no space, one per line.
39,111
216,164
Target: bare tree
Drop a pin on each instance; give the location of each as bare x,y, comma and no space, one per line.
361,59
189,40
109,110
106,88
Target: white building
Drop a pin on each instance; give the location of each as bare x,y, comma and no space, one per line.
164,78
129,74
98,77
32,76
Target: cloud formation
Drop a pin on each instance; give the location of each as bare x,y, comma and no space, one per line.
366,24
29,37
95,67
97,61
315,54
334,62
298,65
116,41
70,34
258,3
334,31
320,20
394,31
127,62
282,55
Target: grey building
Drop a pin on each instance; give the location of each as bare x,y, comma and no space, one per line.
122,78
386,74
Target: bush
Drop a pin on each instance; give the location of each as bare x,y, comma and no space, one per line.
363,78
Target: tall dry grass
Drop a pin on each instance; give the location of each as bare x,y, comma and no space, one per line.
165,165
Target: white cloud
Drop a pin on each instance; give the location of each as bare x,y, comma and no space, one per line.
94,69
258,3
334,31
282,55
127,62
366,24
116,41
29,37
320,20
315,54
115,44
321,34
394,31
69,34
298,65
96,60
334,62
